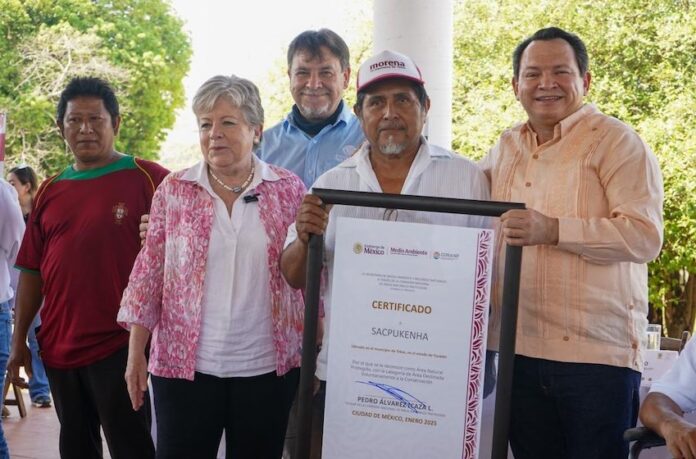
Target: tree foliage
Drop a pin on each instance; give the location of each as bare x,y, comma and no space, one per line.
137,45
643,72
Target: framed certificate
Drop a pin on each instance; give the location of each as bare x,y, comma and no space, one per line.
408,331
404,360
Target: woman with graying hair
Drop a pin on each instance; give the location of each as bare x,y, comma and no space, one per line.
226,328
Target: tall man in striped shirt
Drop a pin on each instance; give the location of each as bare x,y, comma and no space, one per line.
593,191
76,256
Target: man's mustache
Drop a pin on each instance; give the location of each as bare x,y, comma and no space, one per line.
391,126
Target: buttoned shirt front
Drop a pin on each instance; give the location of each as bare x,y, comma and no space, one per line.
236,338
584,300
434,172
287,146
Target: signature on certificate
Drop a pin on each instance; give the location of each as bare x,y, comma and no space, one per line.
405,399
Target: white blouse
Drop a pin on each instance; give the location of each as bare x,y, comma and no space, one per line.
236,337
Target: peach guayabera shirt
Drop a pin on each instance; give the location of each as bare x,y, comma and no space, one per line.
586,299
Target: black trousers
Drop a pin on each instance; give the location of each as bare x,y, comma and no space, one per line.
95,396
253,412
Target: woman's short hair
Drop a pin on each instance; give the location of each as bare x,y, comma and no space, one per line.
240,92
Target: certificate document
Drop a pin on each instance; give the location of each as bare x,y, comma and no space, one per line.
408,324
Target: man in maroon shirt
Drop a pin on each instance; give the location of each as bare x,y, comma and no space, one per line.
78,250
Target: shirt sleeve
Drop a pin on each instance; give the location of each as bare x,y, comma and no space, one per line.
142,298
159,174
679,383
486,163
292,235
481,191
12,226
292,230
633,188
32,248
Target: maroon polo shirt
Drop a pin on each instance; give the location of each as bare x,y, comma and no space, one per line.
82,237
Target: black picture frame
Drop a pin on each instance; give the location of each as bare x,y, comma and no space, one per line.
508,328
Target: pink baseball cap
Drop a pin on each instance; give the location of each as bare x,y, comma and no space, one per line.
388,64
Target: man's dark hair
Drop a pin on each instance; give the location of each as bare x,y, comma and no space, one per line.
421,95
88,87
552,33
311,41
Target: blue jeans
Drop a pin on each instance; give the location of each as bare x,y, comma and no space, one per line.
571,410
5,336
38,383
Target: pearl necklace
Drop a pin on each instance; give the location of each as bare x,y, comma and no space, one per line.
234,189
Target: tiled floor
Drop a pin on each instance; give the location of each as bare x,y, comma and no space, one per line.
36,435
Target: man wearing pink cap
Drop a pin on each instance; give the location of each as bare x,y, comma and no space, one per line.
392,106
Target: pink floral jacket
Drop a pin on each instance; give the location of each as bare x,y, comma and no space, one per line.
165,289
